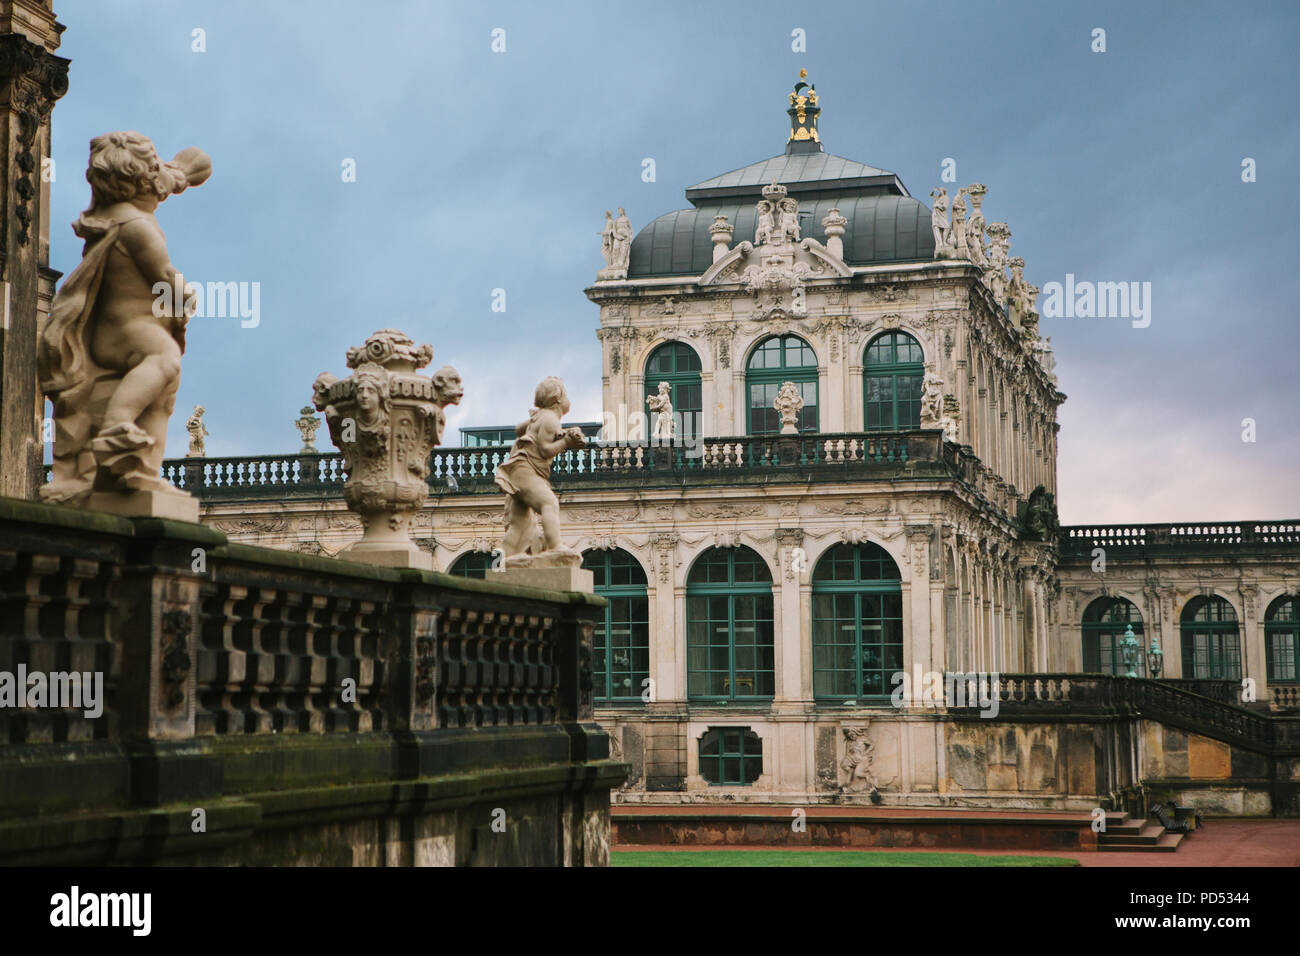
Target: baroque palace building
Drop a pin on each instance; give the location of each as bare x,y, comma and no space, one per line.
860,483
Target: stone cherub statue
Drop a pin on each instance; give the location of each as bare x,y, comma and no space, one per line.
789,231
307,424
198,431
109,358
765,227
931,398
788,404
662,406
525,478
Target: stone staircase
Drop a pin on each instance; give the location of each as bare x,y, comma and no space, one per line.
1138,836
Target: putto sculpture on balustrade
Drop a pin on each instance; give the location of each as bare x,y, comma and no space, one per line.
386,419
662,407
198,431
109,358
525,478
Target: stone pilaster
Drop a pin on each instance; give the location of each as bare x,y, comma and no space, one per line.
31,80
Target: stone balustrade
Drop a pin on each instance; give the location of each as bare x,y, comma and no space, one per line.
230,672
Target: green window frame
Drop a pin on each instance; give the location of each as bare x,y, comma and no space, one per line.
776,360
857,624
472,564
677,364
1103,625
1282,638
621,643
730,651
730,756
1211,640
893,370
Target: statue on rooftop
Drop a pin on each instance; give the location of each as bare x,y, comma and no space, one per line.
109,358
765,227
789,220
525,478
198,431
607,240
975,244
959,225
943,247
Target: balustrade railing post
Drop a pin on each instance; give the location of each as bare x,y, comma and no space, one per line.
157,619
575,632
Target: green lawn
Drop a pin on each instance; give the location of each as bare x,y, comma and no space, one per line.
822,858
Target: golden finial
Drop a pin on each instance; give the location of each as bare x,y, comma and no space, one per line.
803,74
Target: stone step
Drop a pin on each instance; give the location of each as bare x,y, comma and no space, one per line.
1149,842
1146,833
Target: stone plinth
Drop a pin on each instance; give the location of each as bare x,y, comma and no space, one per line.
552,579
175,505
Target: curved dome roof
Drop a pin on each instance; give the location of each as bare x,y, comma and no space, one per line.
881,228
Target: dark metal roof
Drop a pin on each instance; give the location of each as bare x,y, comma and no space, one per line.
881,228
802,174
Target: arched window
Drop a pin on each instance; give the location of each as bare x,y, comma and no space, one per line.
1211,643
621,662
857,623
677,364
472,564
729,653
1104,621
731,755
893,369
781,358
1282,638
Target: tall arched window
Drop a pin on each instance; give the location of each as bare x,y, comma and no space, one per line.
472,564
1211,642
677,364
1104,621
729,652
621,662
893,369
857,623
1282,638
781,358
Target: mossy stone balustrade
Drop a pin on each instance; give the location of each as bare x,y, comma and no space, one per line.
315,710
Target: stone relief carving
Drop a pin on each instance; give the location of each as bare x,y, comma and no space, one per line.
664,545
857,761
724,509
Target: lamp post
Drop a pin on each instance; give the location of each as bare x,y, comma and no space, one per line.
1155,657
1130,647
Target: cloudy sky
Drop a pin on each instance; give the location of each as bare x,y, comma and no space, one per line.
478,170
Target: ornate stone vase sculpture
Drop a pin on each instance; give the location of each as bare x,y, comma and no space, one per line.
531,555
194,425
386,419
788,404
307,425
109,358
662,406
